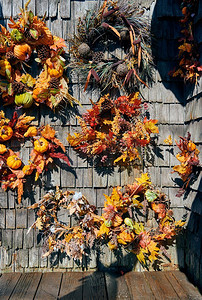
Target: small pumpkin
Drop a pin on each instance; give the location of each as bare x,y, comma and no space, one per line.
3,149
27,170
41,145
6,133
14,162
191,146
32,131
22,51
24,100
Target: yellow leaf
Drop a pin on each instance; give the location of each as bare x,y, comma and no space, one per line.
138,227
112,246
150,126
39,223
144,179
141,256
168,140
103,230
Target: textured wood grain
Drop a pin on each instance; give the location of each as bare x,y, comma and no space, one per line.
71,287
49,286
26,286
7,284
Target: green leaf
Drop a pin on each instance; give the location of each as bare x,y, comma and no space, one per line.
150,195
139,227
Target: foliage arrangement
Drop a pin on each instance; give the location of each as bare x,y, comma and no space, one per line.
113,25
13,172
119,225
112,131
32,63
189,161
189,66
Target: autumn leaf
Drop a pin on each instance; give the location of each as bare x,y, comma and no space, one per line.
150,125
138,227
144,179
39,223
150,195
48,132
103,230
168,140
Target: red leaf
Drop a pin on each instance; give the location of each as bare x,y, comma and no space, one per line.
110,12
60,156
13,120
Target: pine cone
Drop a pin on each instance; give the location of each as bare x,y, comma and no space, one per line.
43,52
18,87
122,70
11,57
92,36
97,57
54,83
106,107
84,50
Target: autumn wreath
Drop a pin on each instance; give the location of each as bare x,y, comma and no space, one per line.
27,50
13,172
114,25
118,226
189,67
113,131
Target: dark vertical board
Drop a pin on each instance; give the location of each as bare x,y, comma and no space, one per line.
94,286
71,287
117,288
160,286
7,284
187,286
26,286
138,287
176,286
49,286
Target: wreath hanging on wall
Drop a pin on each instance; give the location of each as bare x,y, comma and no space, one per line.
13,172
32,63
115,25
113,131
118,226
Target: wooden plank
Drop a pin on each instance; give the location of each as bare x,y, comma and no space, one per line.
187,286
65,9
53,8
49,286
71,287
176,286
160,286
137,287
26,287
7,284
94,286
117,288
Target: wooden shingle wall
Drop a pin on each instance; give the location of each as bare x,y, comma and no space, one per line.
167,103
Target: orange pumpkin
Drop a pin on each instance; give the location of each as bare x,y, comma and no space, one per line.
22,51
32,131
14,162
191,146
6,133
27,170
41,145
3,149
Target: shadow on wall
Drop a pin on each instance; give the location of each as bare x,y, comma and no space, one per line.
193,241
166,29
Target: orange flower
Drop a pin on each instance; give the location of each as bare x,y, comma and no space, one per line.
125,237
55,69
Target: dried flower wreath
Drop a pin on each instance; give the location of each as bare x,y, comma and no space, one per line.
189,66
189,161
115,24
112,131
30,41
13,172
118,226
